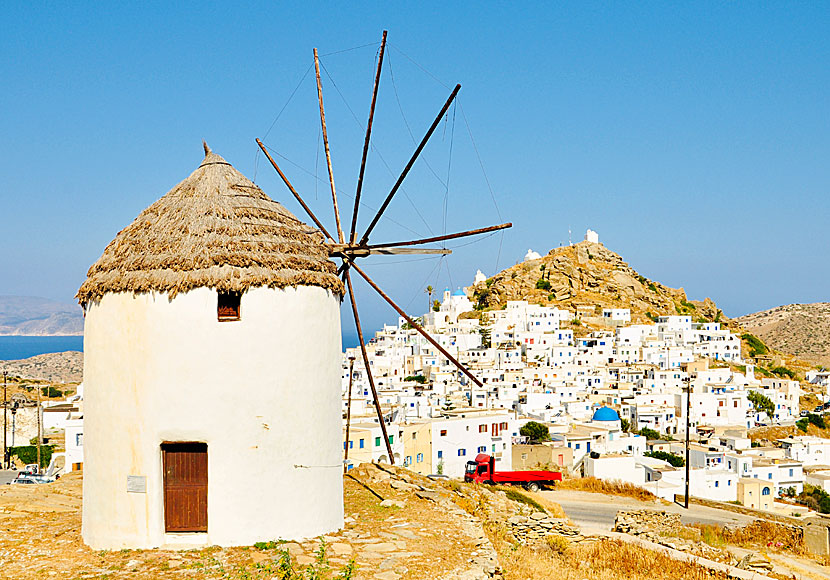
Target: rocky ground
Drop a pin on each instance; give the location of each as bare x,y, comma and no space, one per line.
416,531
59,367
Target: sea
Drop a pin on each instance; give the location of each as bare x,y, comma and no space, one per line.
18,347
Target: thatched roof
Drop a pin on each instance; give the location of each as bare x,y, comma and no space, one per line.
215,229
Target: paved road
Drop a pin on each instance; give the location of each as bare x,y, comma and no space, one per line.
595,510
7,475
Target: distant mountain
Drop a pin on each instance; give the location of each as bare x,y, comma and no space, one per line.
586,275
32,316
802,330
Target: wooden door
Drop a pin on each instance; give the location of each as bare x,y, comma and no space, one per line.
185,486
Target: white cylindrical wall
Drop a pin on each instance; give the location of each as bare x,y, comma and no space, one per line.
262,392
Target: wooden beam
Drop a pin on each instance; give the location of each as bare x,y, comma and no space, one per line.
326,146
348,415
352,232
409,165
358,252
442,238
416,326
294,191
368,369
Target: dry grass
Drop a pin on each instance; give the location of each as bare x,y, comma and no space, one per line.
607,487
758,533
601,560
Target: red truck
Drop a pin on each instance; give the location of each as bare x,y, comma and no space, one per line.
483,470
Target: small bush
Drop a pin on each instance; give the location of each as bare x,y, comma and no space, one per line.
421,379
652,287
761,402
783,372
542,284
51,392
535,431
28,454
558,544
671,458
802,424
651,316
649,433
756,345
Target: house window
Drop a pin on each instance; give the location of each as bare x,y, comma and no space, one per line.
361,443
79,439
791,472
419,458
765,491
408,460
391,439
377,441
482,449
414,435
443,432
227,306
716,483
462,452
440,454
482,428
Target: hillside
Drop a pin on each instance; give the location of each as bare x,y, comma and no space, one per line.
587,274
802,330
31,316
59,367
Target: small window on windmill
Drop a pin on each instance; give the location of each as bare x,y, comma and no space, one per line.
227,308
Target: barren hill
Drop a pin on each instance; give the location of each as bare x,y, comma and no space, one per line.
589,274
31,316
802,330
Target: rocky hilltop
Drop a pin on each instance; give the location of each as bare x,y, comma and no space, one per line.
589,274
802,330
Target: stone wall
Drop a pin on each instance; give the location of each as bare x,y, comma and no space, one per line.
540,525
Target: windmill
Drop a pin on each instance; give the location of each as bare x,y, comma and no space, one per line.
349,249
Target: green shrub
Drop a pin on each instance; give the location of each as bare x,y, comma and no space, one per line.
416,378
535,431
817,420
542,284
801,424
51,392
783,372
652,287
28,454
651,316
761,403
649,433
671,458
756,345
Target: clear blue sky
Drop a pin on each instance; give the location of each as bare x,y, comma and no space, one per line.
694,139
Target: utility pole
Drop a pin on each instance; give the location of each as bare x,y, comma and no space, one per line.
39,437
348,415
5,420
688,427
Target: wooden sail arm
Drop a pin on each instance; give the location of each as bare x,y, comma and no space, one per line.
409,165
368,369
343,250
442,238
352,231
414,324
294,192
